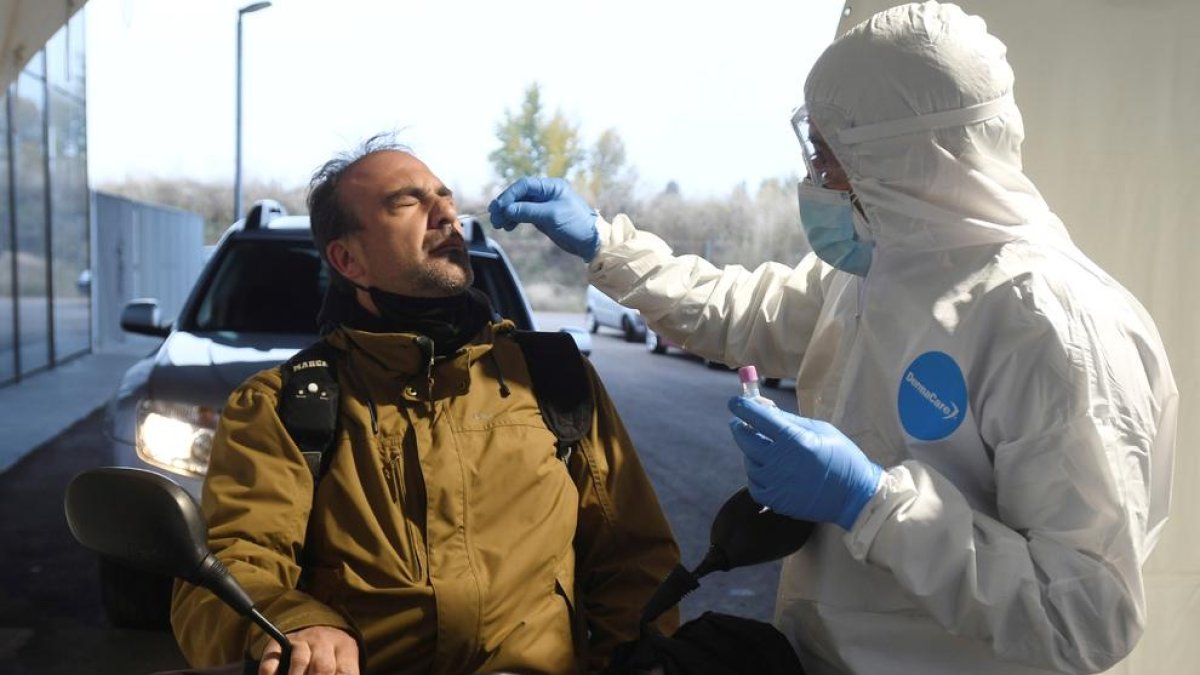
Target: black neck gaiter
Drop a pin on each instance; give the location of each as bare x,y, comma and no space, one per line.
451,322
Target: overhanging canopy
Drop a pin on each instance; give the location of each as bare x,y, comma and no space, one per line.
25,26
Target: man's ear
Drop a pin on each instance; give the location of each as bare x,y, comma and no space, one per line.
345,261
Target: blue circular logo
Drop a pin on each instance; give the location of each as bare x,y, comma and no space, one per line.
933,397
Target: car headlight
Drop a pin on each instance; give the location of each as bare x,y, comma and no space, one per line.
176,436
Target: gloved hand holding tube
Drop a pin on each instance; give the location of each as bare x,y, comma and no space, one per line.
554,208
801,467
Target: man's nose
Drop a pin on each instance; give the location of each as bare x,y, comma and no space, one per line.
442,214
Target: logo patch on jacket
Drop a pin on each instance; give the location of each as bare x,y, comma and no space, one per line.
933,397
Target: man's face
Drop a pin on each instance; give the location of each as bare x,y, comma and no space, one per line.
410,241
829,170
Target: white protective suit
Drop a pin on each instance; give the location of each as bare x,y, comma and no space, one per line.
1019,398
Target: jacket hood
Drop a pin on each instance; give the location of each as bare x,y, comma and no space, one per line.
917,105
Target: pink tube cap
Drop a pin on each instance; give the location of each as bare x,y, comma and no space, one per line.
748,374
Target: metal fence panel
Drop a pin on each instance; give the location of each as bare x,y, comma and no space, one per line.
140,250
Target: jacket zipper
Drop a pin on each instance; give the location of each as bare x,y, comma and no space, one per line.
399,496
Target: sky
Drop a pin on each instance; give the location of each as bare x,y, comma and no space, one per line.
701,92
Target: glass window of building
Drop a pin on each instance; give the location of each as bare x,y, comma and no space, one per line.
67,143
65,59
29,182
45,210
8,338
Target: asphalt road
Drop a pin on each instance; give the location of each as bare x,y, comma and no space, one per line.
673,407
50,617
675,410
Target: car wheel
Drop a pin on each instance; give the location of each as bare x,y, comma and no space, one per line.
655,344
630,330
134,599
589,320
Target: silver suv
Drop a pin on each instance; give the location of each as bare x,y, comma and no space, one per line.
253,306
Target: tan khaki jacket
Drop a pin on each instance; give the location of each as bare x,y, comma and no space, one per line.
446,535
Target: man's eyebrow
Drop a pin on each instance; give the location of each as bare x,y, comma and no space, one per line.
415,191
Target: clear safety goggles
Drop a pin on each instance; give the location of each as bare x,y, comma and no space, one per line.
818,160
823,168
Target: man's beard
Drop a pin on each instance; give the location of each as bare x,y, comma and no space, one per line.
434,280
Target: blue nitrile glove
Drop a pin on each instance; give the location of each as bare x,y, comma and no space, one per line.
554,208
800,467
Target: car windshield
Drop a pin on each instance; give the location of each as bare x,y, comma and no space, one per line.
276,286
264,286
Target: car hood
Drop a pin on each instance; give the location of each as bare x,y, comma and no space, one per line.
203,368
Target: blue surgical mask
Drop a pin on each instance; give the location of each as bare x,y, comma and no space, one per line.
828,220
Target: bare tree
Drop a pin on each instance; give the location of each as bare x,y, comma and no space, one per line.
210,199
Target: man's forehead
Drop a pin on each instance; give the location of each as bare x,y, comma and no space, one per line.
388,164
375,180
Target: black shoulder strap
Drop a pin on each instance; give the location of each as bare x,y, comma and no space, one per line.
308,403
308,400
561,385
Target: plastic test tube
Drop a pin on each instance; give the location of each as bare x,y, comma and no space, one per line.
748,376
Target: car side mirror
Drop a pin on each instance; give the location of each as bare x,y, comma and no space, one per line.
143,316
147,521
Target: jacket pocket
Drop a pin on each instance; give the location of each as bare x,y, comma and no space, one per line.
564,588
394,473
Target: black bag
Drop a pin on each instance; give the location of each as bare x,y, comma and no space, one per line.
713,644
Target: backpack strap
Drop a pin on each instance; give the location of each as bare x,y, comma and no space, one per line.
560,384
308,403
308,399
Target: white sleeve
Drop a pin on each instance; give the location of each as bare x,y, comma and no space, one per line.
1055,580
763,317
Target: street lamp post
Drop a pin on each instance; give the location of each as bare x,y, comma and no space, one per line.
237,170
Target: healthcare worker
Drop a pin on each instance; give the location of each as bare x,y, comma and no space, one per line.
990,418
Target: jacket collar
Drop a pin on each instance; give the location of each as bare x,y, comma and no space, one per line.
408,358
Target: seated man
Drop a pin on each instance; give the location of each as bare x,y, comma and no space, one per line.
445,535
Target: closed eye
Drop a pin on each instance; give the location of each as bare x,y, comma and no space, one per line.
406,196
413,196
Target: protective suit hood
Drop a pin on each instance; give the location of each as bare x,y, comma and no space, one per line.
916,103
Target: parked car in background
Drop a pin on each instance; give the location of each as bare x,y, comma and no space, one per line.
604,311
657,344
254,305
